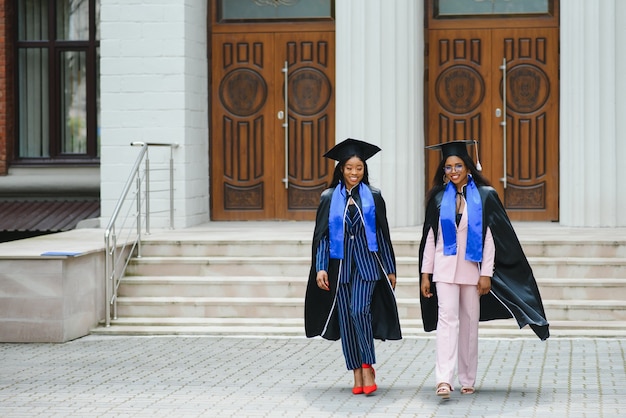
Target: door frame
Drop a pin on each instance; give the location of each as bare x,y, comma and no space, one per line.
274,28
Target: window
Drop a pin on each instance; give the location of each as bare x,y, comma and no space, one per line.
57,81
273,10
491,7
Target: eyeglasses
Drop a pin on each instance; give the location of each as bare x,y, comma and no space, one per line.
457,168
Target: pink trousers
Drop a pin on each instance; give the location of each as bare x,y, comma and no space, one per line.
457,333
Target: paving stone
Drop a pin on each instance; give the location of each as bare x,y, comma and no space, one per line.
195,376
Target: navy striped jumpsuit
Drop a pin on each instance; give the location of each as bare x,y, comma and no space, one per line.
358,273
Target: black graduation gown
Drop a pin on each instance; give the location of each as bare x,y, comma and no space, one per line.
514,291
318,303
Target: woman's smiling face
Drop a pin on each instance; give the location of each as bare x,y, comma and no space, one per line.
353,172
455,170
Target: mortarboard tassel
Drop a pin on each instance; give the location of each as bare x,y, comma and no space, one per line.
478,166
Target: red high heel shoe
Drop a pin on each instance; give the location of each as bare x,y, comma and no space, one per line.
357,390
370,389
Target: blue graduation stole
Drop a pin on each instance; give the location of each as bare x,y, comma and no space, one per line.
474,249
338,209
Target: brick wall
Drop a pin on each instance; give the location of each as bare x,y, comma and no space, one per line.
6,85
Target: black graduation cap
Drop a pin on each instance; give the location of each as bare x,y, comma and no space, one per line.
457,148
351,147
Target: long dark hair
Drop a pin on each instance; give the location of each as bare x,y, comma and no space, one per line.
438,183
338,173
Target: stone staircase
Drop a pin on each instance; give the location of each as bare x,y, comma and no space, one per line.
253,283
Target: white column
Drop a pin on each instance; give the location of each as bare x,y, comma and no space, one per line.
379,82
592,103
193,182
154,89
619,83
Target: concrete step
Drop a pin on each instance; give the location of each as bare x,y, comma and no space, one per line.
226,248
572,247
219,266
290,307
251,247
552,267
294,327
232,307
286,287
588,288
299,266
585,310
300,246
189,286
239,266
589,267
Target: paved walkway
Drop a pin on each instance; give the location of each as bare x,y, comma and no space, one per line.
298,377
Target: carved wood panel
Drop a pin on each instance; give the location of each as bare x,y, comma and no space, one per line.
241,126
311,63
532,121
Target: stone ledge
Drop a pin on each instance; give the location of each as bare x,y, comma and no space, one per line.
53,298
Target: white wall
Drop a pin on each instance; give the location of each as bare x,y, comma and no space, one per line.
379,82
593,102
195,179
619,18
154,89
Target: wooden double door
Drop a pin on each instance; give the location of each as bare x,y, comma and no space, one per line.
500,87
273,117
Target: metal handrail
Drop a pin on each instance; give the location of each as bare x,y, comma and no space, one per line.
118,253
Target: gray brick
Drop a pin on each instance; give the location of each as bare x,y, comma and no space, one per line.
297,377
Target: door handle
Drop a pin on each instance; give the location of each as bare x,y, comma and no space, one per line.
503,122
285,115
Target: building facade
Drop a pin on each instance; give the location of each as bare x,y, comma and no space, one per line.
185,72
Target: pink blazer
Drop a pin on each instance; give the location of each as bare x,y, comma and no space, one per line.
455,268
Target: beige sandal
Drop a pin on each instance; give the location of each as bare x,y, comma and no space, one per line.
443,390
467,390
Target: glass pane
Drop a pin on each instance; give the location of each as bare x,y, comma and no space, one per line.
33,93
491,7
275,9
73,20
73,102
32,20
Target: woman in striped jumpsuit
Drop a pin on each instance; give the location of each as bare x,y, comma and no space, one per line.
353,262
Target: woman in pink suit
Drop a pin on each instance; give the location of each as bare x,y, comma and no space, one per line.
464,230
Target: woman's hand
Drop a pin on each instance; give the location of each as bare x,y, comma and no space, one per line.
322,280
392,279
484,285
425,287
